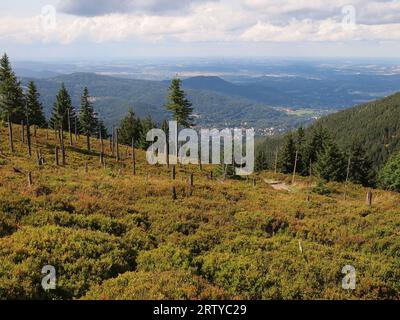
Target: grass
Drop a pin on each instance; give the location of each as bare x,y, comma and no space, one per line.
112,235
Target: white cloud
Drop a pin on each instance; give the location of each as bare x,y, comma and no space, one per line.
219,21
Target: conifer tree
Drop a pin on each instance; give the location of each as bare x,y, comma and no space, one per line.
288,154
87,120
12,102
314,146
179,105
146,125
389,176
130,128
59,116
331,164
34,109
261,162
360,166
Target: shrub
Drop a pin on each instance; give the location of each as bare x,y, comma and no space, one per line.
81,258
169,285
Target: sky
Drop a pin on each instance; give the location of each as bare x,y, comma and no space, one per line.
123,29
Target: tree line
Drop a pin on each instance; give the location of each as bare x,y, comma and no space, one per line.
316,153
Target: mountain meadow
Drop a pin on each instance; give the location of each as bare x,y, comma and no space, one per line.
112,232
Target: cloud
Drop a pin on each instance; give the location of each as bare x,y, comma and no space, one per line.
234,21
103,7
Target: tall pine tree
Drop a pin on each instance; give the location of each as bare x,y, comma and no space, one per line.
288,154
331,163
87,119
361,171
179,105
130,127
12,102
34,109
59,116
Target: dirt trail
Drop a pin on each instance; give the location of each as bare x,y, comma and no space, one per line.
277,185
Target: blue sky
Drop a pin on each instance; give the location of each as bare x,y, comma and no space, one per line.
111,29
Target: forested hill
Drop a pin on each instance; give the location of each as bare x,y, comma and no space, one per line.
376,125
113,97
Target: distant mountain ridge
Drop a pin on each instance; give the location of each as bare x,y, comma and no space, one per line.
113,97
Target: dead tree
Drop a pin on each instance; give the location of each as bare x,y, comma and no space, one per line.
56,156
191,180
174,197
116,146
276,160
76,129
133,157
295,167
22,132
173,173
369,198
347,179
10,135
69,127
28,138
30,182
62,147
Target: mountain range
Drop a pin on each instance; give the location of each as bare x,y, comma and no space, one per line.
217,103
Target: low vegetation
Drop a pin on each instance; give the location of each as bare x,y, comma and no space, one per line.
114,235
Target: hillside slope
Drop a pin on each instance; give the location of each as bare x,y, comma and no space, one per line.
376,125
112,235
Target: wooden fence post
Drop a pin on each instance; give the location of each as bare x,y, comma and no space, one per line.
133,157
173,173
22,132
30,182
174,197
62,147
86,167
369,198
191,180
56,156
10,135
295,167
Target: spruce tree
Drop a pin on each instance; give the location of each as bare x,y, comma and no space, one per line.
59,116
288,154
331,164
302,165
130,127
12,102
34,109
361,171
87,120
179,105
389,176
146,125
261,162
314,147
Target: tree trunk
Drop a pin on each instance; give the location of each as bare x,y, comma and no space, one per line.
88,142
133,157
22,132
28,138
116,145
10,134
69,127
62,147
56,156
